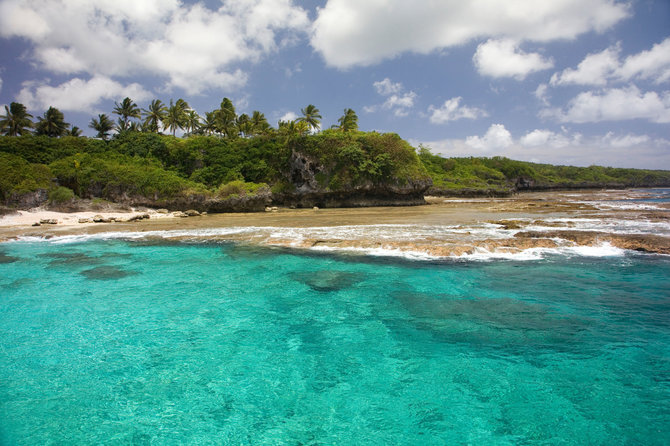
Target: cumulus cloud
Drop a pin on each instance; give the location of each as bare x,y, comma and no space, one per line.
497,137
288,116
78,94
595,69
614,104
451,110
353,32
397,99
562,147
599,69
191,46
503,58
386,87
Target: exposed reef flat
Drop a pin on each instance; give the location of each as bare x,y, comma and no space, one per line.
522,225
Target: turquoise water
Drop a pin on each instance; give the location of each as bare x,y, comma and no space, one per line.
131,342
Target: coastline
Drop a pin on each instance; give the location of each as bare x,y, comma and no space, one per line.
523,226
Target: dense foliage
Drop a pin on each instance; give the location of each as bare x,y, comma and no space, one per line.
503,175
159,166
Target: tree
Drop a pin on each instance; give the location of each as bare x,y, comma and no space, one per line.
176,116
226,119
209,124
16,120
103,125
127,109
74,131
244,125
192,122
292,129
52,124
311,116
259,124
154,115
348,121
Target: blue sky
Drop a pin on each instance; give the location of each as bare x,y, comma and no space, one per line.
575,82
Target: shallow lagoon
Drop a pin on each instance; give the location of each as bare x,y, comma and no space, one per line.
142,342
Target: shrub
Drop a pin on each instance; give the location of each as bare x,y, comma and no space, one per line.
61,195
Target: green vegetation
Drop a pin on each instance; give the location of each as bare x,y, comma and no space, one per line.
499,175
226,156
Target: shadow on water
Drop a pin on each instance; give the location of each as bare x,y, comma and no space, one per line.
107,273
499,322
327,280
4,258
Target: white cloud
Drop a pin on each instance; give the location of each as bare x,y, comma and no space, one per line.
503,58
566,148
451,110
604,67
547,138
288,116
190,46
497,137
541,94
628,140
652,64
353,32
615,104
0,84
78,94
386,87
595,69
397,100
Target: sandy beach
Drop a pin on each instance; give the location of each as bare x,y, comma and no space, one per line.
444,227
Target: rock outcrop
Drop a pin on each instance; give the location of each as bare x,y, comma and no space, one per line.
313,186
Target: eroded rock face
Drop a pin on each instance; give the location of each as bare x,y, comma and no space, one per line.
312,179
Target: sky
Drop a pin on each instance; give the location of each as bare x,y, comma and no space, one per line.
574,82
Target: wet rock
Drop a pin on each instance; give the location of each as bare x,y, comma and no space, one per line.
508,224
85,220
48,221
37,223
179,214
192,213
636,242
162,211
139,217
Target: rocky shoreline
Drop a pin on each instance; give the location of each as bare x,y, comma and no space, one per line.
445,228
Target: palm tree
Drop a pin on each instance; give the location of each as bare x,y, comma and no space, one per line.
127,109
226,118
74,131
259,123
311,116
209,124
16,120
52,124
176,116
192,121
103,125
348,121
154,115
244,125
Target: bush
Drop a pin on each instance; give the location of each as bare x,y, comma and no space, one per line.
61,195
18,175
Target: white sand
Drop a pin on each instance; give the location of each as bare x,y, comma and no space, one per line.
28,218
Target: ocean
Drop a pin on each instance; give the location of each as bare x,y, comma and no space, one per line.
141,339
